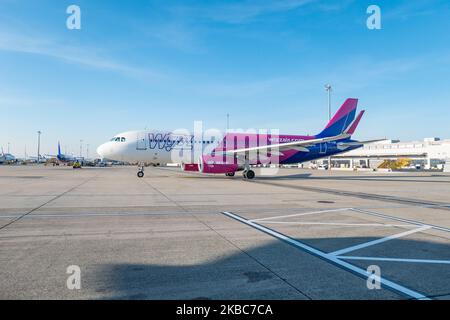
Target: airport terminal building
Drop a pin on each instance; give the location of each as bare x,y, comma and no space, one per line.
430,153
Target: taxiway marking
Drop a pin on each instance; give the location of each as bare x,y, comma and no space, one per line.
328,257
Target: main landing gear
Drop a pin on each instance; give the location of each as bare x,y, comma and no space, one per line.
140,173
249,174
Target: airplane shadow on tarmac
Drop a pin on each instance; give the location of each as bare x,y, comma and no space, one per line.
238,176
308,176
288,273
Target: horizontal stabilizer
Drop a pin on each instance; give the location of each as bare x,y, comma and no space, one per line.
302,149
357,143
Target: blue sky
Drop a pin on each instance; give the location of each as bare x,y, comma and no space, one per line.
164,64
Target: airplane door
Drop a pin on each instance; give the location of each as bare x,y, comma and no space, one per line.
141,143
323,147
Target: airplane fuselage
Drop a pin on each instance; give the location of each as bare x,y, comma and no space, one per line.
161,147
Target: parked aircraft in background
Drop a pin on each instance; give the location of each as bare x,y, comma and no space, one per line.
236,151
64,157
7,157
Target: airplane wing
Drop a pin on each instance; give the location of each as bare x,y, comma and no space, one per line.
298,145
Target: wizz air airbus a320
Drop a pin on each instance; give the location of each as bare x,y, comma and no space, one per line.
235,151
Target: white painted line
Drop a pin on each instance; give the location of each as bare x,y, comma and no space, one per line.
418,223
374,242
330,258
395,259
82,215
340,224
300,214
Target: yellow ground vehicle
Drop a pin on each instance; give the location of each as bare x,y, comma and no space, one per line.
395,164
77,165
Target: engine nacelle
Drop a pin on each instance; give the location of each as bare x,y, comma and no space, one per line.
208,165
190,167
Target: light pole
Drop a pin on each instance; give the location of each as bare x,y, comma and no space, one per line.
8,148
81,148
87,151
228,121
39,147
328,88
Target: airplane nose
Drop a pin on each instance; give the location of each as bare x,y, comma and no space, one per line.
101,150
110,151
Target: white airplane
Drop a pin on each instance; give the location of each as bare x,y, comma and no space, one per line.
236,151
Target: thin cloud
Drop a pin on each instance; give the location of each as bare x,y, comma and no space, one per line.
80,55
175,34
351,76
15,101
334,5
242,12
412,9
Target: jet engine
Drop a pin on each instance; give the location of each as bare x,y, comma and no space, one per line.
208,165
189,167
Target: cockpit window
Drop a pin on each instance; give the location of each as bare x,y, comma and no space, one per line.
119,139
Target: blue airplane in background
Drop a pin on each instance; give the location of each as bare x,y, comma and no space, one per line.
64,157
7,157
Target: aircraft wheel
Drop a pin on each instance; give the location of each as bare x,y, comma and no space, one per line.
230,174
140,174
250,174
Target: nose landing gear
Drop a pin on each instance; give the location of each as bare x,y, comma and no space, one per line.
140,173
